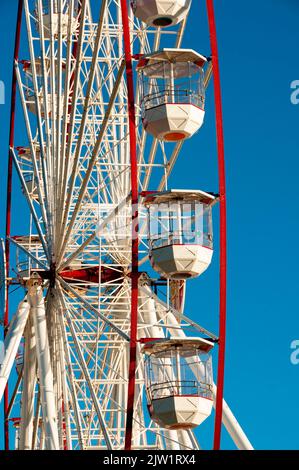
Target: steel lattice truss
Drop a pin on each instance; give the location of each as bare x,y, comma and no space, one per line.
75,174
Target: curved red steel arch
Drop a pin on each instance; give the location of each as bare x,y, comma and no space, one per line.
8,196
223,230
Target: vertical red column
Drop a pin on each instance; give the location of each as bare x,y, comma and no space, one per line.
135,241
221,172
8,195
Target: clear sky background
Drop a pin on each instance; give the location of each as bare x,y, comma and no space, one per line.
259,58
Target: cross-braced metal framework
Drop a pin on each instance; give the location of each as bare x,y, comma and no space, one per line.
73,327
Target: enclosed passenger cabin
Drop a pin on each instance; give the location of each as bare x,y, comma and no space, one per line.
39,67
25,160
57,8
180,232
30,93
27,68
25,156
161,13
31,185
172,93
25,264
27,167
31,104
179,381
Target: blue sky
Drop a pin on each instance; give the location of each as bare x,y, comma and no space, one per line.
259,58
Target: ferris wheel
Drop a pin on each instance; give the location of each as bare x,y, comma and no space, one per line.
100,352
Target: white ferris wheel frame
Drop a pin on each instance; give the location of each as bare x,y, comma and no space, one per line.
72,387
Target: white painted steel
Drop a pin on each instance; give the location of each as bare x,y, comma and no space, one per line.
49,411
29,384
12,342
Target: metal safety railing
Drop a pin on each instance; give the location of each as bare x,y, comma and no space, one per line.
174,96
181,237
180,388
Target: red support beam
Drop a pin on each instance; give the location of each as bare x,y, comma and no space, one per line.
222,202
135,241
8,196
63,425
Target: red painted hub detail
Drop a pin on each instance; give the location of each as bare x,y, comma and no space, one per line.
91,274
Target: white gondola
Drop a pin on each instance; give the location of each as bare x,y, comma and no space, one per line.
29,92
25,156
64,21
161,13
31,185
179,381
23,265
180,232
27,68
172,93
32,105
